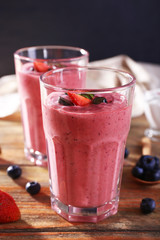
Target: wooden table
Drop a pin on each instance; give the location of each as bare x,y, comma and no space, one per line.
38,221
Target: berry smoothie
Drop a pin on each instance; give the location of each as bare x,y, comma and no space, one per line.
30,64
86,149
29,89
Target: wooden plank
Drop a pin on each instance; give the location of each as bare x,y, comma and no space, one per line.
80,235
33,208
12,141
36,211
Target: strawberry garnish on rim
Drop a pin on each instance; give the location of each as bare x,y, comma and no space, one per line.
41,66
78,99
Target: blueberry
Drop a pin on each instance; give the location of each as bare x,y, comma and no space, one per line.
151,168
147,175
147,205
126,153
137,172
147,162
156,175
33,187
14,171
65,101
98,100
157,164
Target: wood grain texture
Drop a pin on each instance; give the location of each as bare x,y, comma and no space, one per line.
39,221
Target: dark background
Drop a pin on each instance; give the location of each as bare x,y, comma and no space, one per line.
103,27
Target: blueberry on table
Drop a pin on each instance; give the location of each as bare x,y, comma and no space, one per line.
14,171
126,153
147,205
33,187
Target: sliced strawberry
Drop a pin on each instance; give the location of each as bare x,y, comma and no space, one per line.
41,67
78,99
9,212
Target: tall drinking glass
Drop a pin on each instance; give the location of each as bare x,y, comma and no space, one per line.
30,63
86,131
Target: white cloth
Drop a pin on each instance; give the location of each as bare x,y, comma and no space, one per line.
9,98
147,77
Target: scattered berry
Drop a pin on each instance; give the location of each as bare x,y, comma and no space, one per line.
14,171
33,187
78,99
147,205
9,211
98,100
126,153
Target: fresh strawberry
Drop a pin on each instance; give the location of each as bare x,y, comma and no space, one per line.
79,99
41,67
9,212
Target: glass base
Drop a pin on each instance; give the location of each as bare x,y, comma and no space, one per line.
79,214
152,134
36,157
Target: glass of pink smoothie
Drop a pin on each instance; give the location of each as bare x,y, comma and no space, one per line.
86,128
30,63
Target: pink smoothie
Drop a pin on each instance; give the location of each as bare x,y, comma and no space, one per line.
29,89
86,149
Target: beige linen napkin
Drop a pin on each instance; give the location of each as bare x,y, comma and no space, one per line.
144,80
9,98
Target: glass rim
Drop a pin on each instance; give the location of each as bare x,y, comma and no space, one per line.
84,53
61,89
